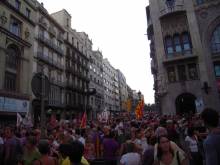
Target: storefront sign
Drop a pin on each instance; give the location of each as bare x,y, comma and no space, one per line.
13,105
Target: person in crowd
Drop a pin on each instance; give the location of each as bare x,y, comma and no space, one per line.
148,157
110,149
130,156
31,152
12,152
76,152
45,159
212,141
193,149
89,152
166,155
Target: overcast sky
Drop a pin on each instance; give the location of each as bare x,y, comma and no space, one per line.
118,29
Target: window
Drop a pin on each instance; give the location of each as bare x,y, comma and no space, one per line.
217,70
17,4
28,13
15,26
181,72
192,69
12,67
10,81
199,2
169,46
177,45
215,42
171,74
186,42
67,22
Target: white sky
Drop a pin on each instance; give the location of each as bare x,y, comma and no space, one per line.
118,29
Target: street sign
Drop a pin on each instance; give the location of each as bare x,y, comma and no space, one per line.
36,85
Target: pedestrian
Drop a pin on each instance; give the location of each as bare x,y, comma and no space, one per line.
31,152
166,155
45,159
110,149
192,145
12,148
130,156
212,141
148,157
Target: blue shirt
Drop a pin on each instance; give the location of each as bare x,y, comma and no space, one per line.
212,149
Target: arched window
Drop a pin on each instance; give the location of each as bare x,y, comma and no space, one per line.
169,45
186,42
12,67
177,44
215,42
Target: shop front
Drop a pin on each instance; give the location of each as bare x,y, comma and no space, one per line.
9,107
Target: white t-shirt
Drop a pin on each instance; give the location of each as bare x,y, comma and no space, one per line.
193,146
131,158
82,140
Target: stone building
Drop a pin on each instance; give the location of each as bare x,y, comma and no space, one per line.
49,59
185,52
17,23
96,81
111,88
77,48
123,92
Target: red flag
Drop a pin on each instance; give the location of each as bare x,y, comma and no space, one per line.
83,120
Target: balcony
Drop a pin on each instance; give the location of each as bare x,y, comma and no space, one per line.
57,82
50,44
182,56
60,37
52,31
48,60
177,6
42,23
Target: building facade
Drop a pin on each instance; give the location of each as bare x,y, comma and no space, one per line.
77,46
49,59
123,92
96,81
17,23
185,49
111,88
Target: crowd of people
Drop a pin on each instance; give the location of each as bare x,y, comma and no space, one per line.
153,140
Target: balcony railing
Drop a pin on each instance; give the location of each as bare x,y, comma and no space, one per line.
176,7
50,44
49,60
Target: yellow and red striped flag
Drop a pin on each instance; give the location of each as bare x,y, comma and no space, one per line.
83,120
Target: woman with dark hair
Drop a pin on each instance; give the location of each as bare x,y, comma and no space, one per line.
166,155
193,148
45,159
130,156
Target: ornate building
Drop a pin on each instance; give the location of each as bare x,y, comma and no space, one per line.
17,23
49,59
185,49
111,87
77,48
123,92
96,81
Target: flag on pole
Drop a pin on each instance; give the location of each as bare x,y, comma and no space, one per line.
139,109
83,120
19,120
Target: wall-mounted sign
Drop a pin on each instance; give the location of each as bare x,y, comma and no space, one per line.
13,105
